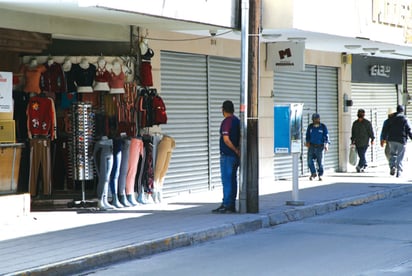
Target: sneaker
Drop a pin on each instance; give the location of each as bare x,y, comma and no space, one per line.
219,209
393,170
358,169
320,178
313,176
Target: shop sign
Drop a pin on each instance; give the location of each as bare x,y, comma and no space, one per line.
6,92
367,69
285,56
380,70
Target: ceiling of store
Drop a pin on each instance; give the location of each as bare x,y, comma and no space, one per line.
314,41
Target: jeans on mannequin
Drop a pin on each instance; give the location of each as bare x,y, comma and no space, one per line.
103,156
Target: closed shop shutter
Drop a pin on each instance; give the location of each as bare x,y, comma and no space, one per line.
375,99
316,88
224,84
327,103
409,87
193,89
184,91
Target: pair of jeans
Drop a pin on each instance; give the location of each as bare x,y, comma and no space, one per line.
361,153
315,154
397,152
228,171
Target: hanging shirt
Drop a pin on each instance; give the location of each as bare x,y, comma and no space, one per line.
41,117
52,79
32,77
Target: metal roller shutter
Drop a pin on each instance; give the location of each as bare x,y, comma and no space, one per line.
184,91
409,87
328,109
375,99
224,84
317,89
194,88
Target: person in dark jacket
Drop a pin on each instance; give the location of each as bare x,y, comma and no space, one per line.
397,131
362,132
317,142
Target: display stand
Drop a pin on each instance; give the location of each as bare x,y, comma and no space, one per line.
82,153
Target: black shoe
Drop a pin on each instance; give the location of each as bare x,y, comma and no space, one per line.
313,176
218,210
393,170
358,169
398,174
227,210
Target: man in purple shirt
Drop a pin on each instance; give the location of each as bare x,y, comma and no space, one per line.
229,157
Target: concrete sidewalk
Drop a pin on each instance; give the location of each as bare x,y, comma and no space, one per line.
70,241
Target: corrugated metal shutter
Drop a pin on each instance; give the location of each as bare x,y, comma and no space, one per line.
375,99
224,84
409,87
327,103
317,89
194,88
184,91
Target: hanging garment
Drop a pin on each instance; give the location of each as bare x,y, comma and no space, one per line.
40,158
41,117
52,80
164,154
146,77
32,76
103,156
136,150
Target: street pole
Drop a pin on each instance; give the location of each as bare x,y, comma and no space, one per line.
243,105
249,168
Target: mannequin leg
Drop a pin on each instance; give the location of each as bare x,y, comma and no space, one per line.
164,154
114,176
106,164
131,171
123,173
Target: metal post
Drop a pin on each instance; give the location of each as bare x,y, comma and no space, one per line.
295,186
243,105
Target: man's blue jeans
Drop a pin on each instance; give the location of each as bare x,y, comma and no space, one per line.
228,171
315,153
397,152
361,153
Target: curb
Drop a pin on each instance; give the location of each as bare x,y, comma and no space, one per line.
180,240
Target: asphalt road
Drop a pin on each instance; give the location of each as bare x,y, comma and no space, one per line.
372,239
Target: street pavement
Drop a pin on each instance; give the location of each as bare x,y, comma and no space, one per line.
69,241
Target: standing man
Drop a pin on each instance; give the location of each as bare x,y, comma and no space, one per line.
362,131
397,130
317,141
229,157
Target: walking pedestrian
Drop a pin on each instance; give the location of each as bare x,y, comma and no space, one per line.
229,157
362,133
317,142
391,113
397,131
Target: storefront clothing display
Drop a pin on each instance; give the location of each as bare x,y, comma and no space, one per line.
124,166
69,96
32,73
84,76
103,156
164,154
40,159
136,149
52,80
117,78
41,117
102,78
